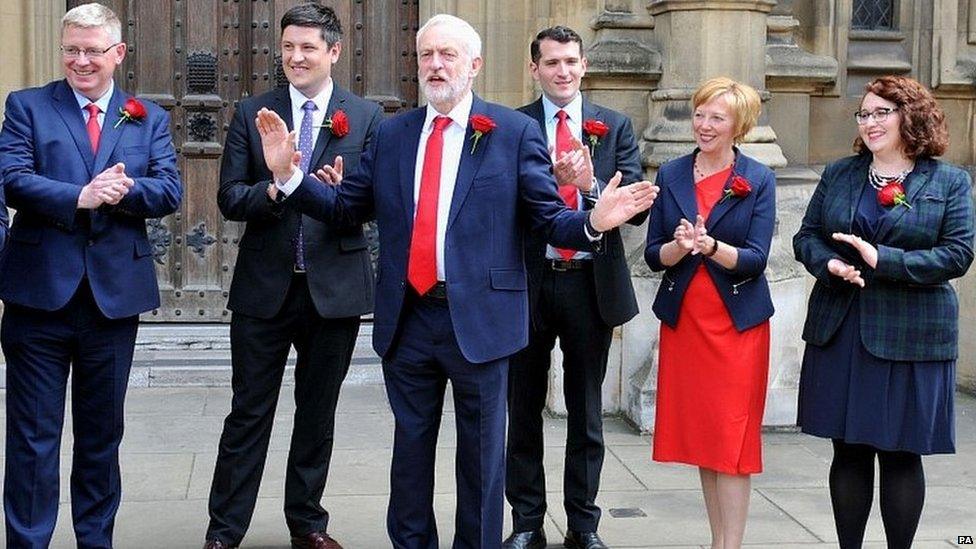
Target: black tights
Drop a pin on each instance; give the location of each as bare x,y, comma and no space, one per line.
852,491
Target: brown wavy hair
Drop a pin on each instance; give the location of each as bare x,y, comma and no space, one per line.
923,126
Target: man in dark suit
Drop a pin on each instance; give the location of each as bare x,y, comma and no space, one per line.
454,187
84,164
297,282
574,295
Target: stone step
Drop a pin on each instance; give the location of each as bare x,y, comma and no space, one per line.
182,355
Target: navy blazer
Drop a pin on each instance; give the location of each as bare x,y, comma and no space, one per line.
611,276
45,160
503,189
337,261
4,221
746,223
908,310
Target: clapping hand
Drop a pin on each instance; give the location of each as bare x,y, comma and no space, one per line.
108,187
691,238
330,174
868,252
618,204
278,144
837,267
574,167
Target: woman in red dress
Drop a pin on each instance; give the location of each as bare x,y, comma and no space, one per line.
710,232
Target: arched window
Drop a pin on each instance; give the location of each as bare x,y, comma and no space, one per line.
873,14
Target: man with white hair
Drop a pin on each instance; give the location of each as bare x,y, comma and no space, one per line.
84,164
454,187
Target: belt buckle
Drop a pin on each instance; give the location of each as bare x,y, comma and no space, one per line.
559,265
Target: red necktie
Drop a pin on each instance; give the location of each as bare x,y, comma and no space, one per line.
94,130
422,264
564,143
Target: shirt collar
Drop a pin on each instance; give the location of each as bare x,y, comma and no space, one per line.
574,109
459,114
102,101
321,99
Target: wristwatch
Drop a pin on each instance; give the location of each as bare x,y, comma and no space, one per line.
714,249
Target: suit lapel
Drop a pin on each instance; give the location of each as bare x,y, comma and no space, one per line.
67,108
536,110
683,188
914,183
740,167
470,162
857,178
412,127
281,104
336,103
112,130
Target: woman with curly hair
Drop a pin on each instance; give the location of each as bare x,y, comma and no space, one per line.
884,233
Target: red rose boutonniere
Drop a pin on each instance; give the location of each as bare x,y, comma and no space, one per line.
481,125
595,130
893,194
740,188
133,110
338,123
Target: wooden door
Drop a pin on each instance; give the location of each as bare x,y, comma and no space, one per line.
197,58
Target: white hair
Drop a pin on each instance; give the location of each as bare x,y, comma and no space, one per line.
93,16
469,37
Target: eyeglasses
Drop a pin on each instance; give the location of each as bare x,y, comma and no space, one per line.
878,115
74,52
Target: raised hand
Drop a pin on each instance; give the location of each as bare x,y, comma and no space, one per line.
108,187
684,235
838,268
618,204
574,167
868,252
278,144
330,174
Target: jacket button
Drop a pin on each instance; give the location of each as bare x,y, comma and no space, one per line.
91,242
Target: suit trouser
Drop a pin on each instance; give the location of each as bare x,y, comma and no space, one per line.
41,348
568,308
425,357
259,351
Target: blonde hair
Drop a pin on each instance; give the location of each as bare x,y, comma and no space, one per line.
93,16
743,100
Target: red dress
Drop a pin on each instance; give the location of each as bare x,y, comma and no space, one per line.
711,383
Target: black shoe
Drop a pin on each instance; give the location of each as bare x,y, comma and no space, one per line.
583,540
535,539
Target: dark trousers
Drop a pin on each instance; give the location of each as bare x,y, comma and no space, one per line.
416,371
568,308
42,348
259,350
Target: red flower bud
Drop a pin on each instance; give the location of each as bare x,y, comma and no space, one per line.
339,124
595,128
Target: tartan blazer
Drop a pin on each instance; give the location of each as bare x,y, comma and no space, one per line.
908,310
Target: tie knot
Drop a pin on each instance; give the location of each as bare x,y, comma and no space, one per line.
92,109
441,122
561,115
309,106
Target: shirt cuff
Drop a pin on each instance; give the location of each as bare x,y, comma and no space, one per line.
589,235
594,191
289,186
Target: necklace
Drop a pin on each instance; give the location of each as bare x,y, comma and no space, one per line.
699,174
879,180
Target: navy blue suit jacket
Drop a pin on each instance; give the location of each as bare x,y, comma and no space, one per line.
3,218
746,223
45,160
503,189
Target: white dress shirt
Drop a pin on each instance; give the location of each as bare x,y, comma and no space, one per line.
102,103
574,119
318,119
450,161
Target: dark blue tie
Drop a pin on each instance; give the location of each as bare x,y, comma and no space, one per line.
305,147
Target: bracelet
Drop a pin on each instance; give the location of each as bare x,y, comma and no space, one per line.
714,249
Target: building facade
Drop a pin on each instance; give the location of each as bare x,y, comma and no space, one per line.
809,58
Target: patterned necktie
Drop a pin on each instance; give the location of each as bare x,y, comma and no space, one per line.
564,143
305,147
94,130
422,264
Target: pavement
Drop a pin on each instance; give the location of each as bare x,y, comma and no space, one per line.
171,440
